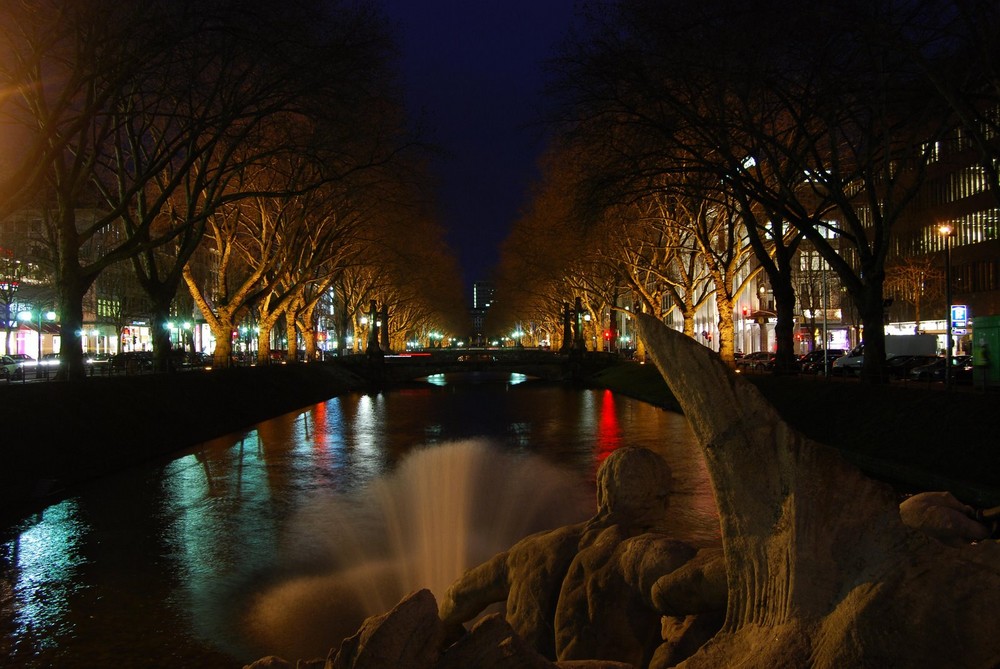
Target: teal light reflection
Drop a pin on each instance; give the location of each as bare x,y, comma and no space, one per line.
218,517
437,380
45,558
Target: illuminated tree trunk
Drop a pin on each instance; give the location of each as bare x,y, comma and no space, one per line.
265,328
222,318
291,335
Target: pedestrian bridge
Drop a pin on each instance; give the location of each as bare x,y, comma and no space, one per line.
539,363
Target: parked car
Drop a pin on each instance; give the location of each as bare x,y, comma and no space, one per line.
23,361
131,362
812,362
10,368
187,360
961,370
895,346
899,367
55,359
50,360
757,362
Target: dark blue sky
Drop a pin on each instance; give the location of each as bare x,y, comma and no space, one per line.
474,70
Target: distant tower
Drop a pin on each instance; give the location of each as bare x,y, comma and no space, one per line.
482,298
482,294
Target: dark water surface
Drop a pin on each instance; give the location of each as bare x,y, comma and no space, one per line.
172,564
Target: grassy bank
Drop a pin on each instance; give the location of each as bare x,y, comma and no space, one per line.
916,436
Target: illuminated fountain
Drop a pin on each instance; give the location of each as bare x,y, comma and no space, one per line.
444,510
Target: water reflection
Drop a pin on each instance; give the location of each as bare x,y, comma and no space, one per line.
511,379
40,568
145,565
608,433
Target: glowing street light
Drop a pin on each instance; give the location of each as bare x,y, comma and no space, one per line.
947,231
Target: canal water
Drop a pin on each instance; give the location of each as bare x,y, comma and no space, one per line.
281,538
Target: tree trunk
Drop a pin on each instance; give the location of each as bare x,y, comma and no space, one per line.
342,331
689,314
872,312
727,330
221,321
264,329
72,288
73,367
291,334
223,333
307,326
784,327
161,335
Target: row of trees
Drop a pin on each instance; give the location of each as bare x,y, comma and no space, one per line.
701,143
254,153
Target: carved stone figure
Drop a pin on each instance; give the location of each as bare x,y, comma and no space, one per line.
821,570
583,591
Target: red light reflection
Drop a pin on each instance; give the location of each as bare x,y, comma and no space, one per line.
319,427
608,432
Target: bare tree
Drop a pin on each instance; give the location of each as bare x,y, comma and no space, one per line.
318,98
914,280
320,238
807,130
555,253
150,110
71,64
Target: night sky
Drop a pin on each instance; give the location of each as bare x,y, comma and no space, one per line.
474,70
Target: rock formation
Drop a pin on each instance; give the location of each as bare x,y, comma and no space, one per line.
411,636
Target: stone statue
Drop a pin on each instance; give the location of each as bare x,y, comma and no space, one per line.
584,591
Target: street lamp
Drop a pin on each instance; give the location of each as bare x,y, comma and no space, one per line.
761,319
947,231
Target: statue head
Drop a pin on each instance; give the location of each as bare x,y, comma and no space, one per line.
633,483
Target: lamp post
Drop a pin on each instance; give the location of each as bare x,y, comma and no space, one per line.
761,319
826,337
947,231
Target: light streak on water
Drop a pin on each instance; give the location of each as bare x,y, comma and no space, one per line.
40,569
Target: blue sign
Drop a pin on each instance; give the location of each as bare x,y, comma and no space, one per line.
959,315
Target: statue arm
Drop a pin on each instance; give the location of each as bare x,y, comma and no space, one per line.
697,587
475,590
